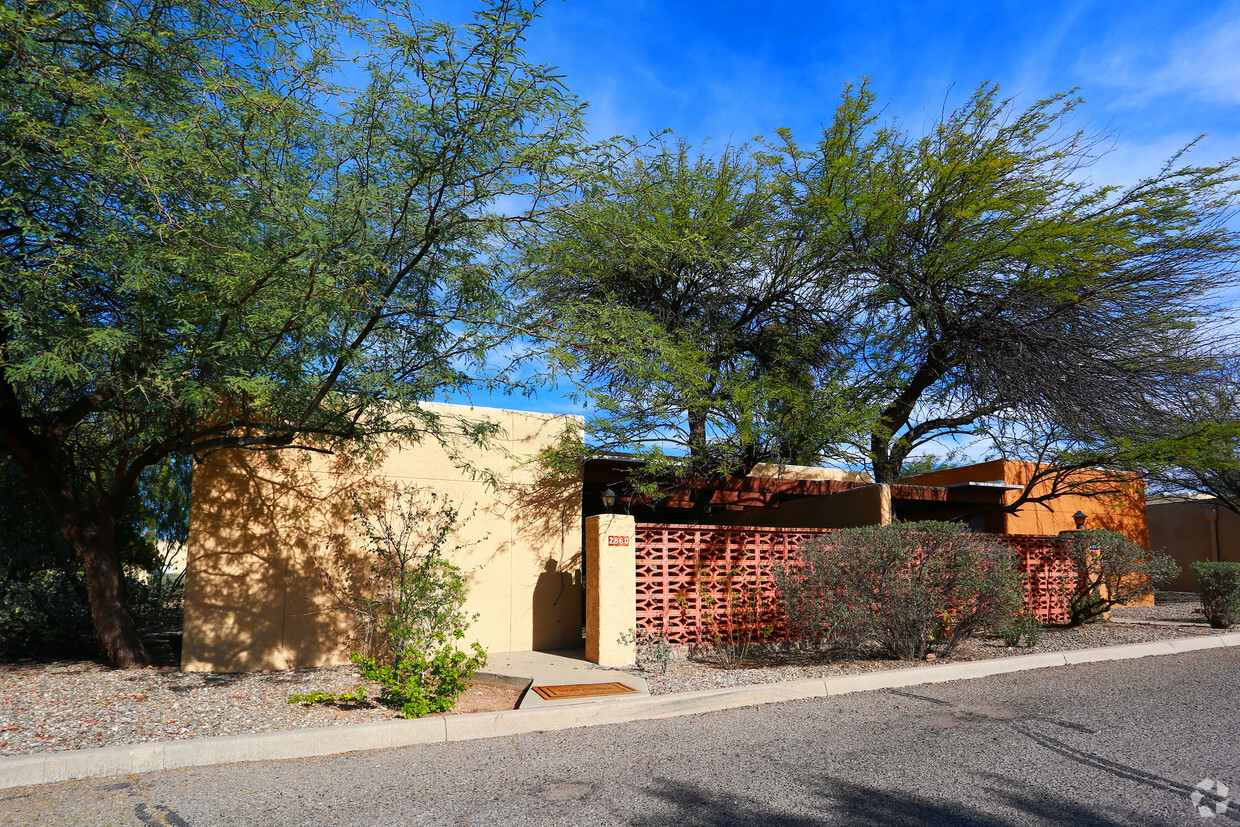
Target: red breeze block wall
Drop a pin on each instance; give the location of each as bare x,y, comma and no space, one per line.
689,575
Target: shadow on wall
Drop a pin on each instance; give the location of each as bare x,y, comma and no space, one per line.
546,517
249,596
268,528
1123,513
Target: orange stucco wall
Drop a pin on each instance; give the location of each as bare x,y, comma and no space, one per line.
1123,512
266,527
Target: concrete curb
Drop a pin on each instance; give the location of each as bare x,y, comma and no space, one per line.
66,765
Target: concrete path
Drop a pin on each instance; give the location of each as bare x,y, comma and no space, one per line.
559,667
150,757
1121,742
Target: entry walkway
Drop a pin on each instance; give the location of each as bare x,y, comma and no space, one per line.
560,667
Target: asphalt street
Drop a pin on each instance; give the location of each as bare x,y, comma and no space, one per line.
1118,743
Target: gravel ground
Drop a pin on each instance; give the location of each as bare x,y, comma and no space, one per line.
690,671
78,705
1175,607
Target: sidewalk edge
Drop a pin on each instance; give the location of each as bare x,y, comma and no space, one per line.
67,765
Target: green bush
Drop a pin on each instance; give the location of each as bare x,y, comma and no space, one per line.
410,605
908,589
1023,625
45,614
1110,570
1218,585
653,652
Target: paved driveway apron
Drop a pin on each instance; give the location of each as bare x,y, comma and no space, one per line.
1118,743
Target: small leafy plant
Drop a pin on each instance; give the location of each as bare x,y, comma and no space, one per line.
421,683
654,653
410,608
732,622
1111,569
358,698
1022,626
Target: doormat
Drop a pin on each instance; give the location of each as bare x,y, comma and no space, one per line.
583,690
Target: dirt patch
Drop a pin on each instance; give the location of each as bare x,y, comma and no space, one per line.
481,697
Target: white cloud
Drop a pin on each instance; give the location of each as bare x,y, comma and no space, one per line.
1202,61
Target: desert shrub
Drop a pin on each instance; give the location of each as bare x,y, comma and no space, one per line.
1218,586
409,606
1110,569
1024,626
653,652
908,589
732,622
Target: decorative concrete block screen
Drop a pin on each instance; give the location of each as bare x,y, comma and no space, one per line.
697,581
694,582
1048,576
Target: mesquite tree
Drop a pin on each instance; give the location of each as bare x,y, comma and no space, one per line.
996,281
882,291
683,294
219,227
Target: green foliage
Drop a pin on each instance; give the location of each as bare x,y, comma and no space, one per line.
654,653
1024,625
1218,585
994,282
358,698
679,293
45,614
409,605
243,224
1111,569
731,622
907,589
1210,462
423,682
866,297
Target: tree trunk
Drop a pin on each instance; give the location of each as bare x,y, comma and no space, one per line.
886,467
697,438
95,544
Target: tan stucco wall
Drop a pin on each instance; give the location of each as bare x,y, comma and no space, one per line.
265,526
1182,527
869,505
611,593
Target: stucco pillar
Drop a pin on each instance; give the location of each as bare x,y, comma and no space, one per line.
611,588
886,510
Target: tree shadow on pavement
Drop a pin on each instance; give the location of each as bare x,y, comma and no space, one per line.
845,803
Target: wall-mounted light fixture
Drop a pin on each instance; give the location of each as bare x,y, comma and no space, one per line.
609,500
1079,519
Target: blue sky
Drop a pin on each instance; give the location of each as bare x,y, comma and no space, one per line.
1156,75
